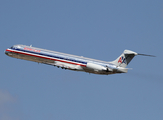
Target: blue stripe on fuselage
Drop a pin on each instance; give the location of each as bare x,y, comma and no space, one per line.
49,55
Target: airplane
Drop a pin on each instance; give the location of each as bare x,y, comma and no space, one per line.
73,62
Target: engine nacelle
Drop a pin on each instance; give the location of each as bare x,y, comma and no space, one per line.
96,67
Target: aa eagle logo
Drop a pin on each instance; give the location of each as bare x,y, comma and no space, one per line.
122,60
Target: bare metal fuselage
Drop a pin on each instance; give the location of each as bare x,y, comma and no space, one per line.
65,61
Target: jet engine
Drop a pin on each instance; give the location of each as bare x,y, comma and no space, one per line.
96,67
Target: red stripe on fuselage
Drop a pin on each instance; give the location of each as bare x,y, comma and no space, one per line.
30,54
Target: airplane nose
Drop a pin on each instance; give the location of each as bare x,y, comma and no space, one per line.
6,52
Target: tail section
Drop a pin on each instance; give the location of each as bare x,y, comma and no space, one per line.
124,59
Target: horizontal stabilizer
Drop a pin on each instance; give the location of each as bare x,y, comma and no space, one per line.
146,55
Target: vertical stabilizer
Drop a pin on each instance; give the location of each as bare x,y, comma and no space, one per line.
124,59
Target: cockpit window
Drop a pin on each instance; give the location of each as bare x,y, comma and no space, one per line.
12,47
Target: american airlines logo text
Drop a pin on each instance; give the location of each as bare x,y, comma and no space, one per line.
30,49
122,60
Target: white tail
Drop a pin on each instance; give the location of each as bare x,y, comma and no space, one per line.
124,59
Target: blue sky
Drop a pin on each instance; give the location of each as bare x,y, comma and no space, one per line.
96,29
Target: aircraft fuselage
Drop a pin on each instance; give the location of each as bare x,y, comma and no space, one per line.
62,60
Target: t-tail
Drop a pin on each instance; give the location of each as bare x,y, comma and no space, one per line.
124,59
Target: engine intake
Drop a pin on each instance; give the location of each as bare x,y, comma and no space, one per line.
96,67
